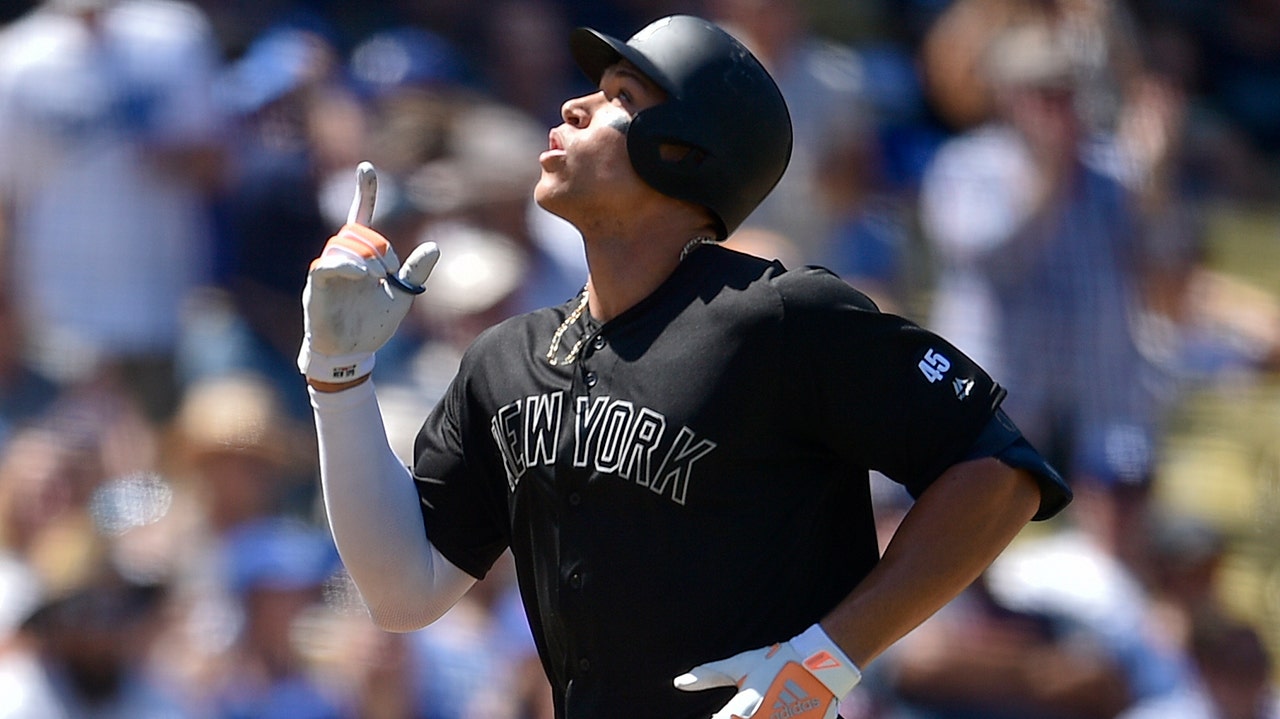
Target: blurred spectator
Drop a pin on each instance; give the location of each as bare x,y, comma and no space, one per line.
109,143
1233,676
868,184
62,479
871,184
454,155
478,664
1039,253
526,68
412,80
295,124
87,657
479,659
237,23
239,455
823,82
955,47
1239,43
482,181
25,392
415,85
1184,572
13,10
47,479
1060,626
1095,577
1202,325
1223,55
277,570
952,55
236,459
45,484
70,484
979,659
870,236
19,594
235,462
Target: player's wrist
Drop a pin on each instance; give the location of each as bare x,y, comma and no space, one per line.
333,369
332,387
823,658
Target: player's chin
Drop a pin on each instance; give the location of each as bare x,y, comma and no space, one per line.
554,201
546,192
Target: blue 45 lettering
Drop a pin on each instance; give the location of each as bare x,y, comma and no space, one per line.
934,366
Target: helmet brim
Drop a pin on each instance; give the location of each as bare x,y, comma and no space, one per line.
595,51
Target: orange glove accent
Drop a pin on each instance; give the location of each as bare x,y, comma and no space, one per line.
805,678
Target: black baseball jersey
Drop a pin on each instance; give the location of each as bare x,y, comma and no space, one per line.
695,483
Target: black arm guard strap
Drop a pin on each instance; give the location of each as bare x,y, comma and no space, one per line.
1002,439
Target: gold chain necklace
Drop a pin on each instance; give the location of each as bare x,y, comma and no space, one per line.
576,314
564,326
694,244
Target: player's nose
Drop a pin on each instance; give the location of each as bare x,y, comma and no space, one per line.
577,111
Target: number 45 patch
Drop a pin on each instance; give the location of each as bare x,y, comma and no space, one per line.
934,366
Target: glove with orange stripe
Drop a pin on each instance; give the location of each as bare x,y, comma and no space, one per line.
357,293
805,678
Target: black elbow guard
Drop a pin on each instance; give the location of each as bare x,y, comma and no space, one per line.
1002,439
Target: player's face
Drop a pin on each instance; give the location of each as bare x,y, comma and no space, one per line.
586,173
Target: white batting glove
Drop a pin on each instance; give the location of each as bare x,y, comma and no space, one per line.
805,678
357,293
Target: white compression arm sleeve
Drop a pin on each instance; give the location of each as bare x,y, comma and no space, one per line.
374,516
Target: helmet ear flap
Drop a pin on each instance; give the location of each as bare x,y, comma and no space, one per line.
667,154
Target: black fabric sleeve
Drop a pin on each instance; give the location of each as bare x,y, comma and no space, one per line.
462,517
877,389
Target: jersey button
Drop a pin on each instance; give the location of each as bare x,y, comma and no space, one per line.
575,499
591,378
598,342
584,665
575,580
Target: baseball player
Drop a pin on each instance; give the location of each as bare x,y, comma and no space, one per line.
678,457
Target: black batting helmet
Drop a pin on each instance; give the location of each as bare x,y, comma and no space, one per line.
721,104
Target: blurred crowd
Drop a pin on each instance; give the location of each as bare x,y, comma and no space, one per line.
1084,195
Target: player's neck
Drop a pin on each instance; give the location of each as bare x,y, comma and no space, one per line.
629,256
625,271
621,275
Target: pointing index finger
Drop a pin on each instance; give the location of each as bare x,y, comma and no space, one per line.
366,194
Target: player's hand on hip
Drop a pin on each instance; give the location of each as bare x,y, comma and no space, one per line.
805,678
357,293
